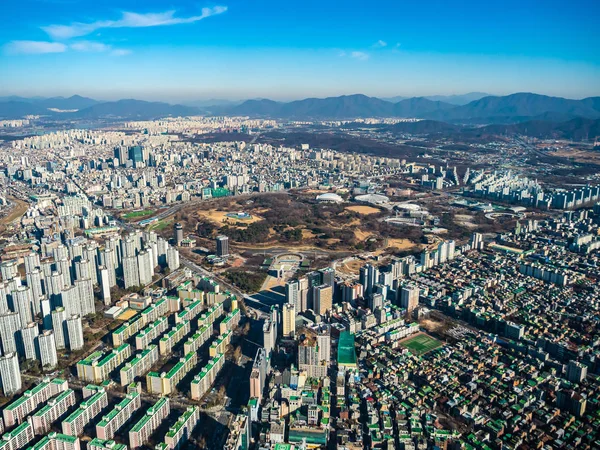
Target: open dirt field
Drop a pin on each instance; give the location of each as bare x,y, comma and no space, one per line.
307,234
351,267
400,244
361,235
364,210
19,209
580,156
220,217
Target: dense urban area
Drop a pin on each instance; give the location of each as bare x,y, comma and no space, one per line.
236,282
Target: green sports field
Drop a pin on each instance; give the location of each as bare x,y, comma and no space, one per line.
421,344
138,214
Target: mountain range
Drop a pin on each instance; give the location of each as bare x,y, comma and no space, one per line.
489,110
458,100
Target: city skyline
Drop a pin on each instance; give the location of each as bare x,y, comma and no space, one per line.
236,50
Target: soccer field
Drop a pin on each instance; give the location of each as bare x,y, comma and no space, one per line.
421,344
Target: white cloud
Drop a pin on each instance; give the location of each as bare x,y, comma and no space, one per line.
380,44
361,56
120,52
128,20
88,46
34,47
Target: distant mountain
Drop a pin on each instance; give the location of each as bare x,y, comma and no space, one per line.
134,109
65,104
508,109
419,106
515,108
522,106
460,100
268,108
17,98
19,109
343,107
394,99
211,102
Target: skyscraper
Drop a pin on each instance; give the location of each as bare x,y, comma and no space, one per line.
477,241
145,268
10,323
131,276
324,345
46,347
104,284
292,294
59,317
269,336
85,291
289,320
222,246
34,281
136,154
26,341
368,277
10,375
23,304
75,332
172,258
178,234
322,299
409,297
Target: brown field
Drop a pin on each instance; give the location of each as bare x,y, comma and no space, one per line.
314,191
307,234
361,235
220,217
351,267
580,156
16,213
400,244
364,210
127,314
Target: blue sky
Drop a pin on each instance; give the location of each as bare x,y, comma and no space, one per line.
182,50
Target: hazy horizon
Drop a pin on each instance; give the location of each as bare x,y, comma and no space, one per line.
194,99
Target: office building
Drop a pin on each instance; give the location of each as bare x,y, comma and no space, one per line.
222,246
289,320
409,297
322,299
368,276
